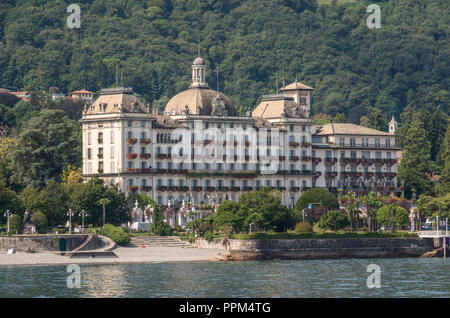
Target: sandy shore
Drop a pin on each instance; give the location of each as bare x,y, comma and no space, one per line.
126,255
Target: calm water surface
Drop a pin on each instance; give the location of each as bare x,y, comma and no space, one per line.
406,277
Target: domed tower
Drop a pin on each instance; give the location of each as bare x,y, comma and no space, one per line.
198,73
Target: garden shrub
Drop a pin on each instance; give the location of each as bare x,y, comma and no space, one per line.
303,227
118,235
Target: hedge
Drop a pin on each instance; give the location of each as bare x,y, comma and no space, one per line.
116,234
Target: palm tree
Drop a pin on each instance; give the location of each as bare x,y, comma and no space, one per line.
104,202
372,203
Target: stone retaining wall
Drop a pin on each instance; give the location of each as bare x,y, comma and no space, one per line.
40,243
322,248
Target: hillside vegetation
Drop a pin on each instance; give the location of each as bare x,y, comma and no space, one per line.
354,69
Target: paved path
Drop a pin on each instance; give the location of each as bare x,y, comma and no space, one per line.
126,255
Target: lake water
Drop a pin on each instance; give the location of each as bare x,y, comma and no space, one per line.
406,277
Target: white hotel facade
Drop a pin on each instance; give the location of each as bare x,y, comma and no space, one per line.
125,144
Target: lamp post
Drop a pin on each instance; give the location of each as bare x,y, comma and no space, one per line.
83,214
69,214
8,214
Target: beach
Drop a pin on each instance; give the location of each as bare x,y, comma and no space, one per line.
125,255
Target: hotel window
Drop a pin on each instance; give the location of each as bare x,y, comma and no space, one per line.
328,154
278,183
365,142
100,165
100,138
304,167
112,153
142,123
232,166
342,154
291,128
89,138
89,153
206,166
232,183
130,149
257,184
303,128
130,164
143,165
353,168
388,155
388,142
377,142
129,134
353,154
292,167
89,167
342,168
388,169
219,167
341,141
100,124
352,142
378,155
112,166
130,123
112,137
268,183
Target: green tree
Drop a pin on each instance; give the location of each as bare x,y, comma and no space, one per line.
317,195
229,214
40,220
15,224
372,203
413,168
333,220
374,120
393,216
339,118
46,145
444,180
104,202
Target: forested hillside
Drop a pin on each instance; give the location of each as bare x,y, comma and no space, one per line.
354,69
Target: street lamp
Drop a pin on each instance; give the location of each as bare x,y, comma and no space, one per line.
83,214
69,214
8,214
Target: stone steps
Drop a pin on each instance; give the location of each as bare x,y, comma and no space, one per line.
157,241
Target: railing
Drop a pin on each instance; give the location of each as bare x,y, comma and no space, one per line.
432,234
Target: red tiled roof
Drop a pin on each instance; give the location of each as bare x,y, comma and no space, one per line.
83,91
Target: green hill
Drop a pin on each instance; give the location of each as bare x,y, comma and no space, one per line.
354,69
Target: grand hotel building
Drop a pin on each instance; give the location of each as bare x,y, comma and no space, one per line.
125,144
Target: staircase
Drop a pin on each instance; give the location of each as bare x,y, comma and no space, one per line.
157,241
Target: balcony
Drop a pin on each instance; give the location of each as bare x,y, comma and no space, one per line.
100,140
306,158
197,189
173,188
132,155
331,174
210,189
133,188
145,156
330,161
248,188
145,141
294,158
161,188
132,141
100,170
222,188
146,188
306,144
235,189
294,144
316,160
294,189
100,156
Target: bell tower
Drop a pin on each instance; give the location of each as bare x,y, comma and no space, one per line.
393,125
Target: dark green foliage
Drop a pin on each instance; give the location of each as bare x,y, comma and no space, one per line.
116,234
46,145
317,195
40,220
333,220
158,226
153,42
395,215
15,224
